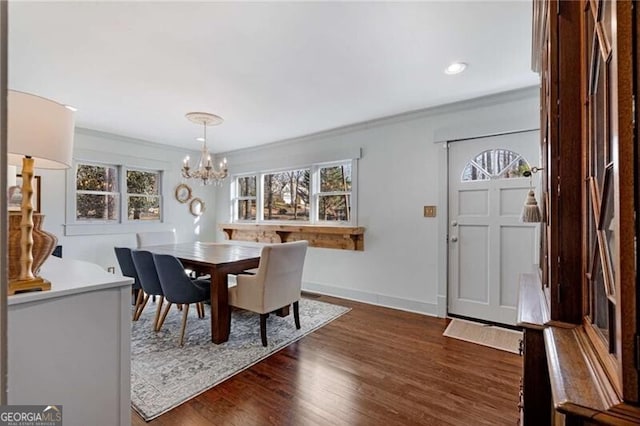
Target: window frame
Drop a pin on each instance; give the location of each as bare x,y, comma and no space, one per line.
122,224
127,195
116,194
235,198
314,196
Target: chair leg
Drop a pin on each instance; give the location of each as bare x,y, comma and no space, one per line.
164,315
185,312
135,304
140,307
158,310
200,307
296,314
263,328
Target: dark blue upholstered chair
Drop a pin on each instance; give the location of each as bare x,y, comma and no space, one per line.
143,261
180,289
123,254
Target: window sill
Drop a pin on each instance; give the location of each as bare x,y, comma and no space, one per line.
72,229
335,237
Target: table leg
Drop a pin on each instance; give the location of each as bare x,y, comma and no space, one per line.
220,321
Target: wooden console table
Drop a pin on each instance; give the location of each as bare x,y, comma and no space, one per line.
335,237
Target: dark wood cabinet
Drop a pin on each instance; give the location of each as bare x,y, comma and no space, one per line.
580,315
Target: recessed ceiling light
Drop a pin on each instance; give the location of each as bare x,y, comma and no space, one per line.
200,139
71,108
455,68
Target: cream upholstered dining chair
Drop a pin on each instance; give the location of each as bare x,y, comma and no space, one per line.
276,284
155,238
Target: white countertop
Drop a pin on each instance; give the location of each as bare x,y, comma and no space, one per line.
70,276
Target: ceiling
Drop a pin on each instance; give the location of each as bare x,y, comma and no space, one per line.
272,70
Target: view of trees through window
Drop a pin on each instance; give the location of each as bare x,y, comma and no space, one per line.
324,191
335,192
286,195
98,193
143,195
246,188
495,164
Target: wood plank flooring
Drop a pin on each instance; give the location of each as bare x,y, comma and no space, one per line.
372,366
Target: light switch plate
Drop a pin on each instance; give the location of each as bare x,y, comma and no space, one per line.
429,211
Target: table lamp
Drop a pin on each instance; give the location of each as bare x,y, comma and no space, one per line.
39,130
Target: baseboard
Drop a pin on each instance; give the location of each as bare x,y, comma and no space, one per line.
442,306
430,309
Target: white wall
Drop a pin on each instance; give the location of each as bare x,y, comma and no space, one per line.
401,169
99,248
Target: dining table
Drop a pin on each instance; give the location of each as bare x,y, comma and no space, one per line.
219,260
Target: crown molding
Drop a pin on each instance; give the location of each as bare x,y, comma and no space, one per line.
482,101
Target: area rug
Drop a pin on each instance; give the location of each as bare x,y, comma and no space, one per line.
484,334
164,375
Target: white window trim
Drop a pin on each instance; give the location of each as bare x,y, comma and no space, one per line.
314,189
235,198
316,193
122,225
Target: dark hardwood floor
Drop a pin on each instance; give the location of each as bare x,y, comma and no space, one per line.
372,366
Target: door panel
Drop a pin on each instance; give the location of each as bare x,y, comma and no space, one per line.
514,260
488,245
511,202
473,202
474,284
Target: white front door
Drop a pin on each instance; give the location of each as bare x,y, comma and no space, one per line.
488,245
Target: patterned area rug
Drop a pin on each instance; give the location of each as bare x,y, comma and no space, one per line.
164,375
484,334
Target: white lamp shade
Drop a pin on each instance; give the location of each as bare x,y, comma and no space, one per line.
39,128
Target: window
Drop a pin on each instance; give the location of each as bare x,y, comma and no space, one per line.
97,193
320,193
334,202
495,164
143,195
100,188
286,195
245,198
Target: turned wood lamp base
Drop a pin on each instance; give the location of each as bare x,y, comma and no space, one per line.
35,284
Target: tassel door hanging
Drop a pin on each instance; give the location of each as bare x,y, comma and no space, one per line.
531,211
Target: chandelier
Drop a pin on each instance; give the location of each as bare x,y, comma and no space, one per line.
205,171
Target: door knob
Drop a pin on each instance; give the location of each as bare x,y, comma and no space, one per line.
454,239
454,223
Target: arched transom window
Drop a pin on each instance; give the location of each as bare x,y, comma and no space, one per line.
495,163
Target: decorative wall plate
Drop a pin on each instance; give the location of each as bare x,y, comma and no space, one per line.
196,207
183,193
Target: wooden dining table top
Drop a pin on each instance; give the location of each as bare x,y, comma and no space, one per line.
206,253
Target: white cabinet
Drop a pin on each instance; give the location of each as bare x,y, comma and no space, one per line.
71,345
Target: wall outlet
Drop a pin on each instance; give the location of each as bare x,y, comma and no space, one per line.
429,211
